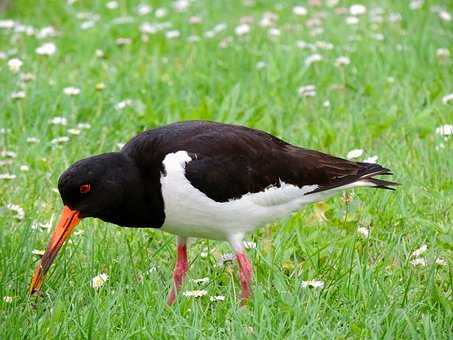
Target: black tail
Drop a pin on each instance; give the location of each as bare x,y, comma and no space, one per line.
364,172
368,172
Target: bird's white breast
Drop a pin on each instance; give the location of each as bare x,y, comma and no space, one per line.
189,212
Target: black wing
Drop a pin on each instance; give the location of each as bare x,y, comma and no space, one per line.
229,161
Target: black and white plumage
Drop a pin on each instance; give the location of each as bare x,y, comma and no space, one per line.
208,180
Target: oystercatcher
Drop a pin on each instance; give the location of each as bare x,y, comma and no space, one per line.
201,179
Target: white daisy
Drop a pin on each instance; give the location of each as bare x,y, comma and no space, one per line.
203,280
99,280
99,53
356,153
112,5
299,10
352,20
261,64
444,15
341,61
84,126
181,5
38,252
143,9
14,65
24,168
160,12
123,41
58,121
20,213
440,261
447,98
32,140
419,251
357,9
74,132
18,95
60,140
313,284
415,4
242,29
372,159
173,34
418,262
8,153
228,257
7,176
71,91
123,104
195,293
46,32
307,91
8,299
46,49
86,25
313,59
365,232
442,53
27,77
217,298
445,130
274,32
195,20
7,24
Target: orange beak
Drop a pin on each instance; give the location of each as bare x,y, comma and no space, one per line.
68,220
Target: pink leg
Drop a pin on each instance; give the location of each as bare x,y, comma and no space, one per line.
180,271
245,275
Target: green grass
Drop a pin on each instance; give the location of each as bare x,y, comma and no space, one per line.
388,101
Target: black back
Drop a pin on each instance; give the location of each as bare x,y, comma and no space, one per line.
229,161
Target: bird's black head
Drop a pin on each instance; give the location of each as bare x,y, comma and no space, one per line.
107,186
110,187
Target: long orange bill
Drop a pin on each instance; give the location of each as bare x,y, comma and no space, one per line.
68,220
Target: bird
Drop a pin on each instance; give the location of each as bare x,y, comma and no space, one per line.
201,179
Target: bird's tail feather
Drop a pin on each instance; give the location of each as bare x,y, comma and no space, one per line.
363,177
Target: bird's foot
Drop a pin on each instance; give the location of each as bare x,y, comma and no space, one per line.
182,265
245,276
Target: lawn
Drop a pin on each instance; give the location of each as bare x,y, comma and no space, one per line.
82,77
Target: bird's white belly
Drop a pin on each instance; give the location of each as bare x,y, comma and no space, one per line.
189,212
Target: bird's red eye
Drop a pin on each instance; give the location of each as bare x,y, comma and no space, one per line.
84,188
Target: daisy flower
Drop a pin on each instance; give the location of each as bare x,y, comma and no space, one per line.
20,213
299,10
217,298
445,130
357,9
195,293
365,232
419,251
58,121
356,153
203,280
418,262
242,29
342,61
307,91
99,280
14,65
313,284
46,49
447,98
71,91
313,59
